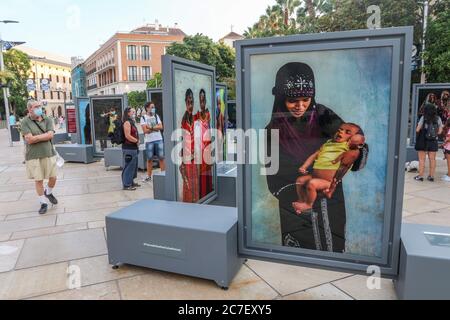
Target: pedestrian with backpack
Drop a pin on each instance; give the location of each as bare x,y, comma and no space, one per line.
130,149
428,130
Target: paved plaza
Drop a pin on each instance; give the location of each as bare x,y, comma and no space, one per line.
36,252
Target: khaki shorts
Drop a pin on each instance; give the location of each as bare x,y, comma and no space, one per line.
41,169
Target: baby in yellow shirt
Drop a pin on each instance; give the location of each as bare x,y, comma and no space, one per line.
344,147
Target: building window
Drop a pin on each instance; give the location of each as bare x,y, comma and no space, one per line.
70,80
146,73
131,53
43,94
132,74
50,77
59,97
51,95
64,79
71,96
145,51
57,78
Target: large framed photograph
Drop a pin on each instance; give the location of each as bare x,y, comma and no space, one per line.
326,119
189,94
155,95
105,110
437,94
82,105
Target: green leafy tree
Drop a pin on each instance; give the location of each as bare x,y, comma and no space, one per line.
17,65
202,49
137,99
155,82
437,54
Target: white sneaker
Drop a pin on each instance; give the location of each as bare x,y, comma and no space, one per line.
147,179
446,178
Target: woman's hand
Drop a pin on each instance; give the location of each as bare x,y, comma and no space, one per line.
303,170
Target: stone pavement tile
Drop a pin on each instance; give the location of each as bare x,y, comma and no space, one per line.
8,208
288,279
93,199
82,207
97,224
5,236
439,194
415,186
324,292
16,187
105,187
80,174
83,216
32,282
103,291
126,203
4,180
356,287
10,196
27,224
421,205
62,247
141,193
48,231
51,212
439,217
157,285
97,269
407,214
9,253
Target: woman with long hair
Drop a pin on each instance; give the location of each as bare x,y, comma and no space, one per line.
203,132
430,99
304,126
130,150
428,130
188,168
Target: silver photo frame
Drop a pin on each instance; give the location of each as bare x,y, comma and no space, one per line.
400,40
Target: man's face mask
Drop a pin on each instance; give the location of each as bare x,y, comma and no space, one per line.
38,112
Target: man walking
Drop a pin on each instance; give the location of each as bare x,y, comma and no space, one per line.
38,131
154,146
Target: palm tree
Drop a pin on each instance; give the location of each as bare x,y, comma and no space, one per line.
288,8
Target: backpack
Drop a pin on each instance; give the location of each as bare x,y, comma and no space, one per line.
431,131
118,136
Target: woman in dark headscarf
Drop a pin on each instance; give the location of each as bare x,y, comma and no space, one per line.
304,125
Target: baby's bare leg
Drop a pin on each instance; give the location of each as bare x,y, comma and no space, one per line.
300,186
314,186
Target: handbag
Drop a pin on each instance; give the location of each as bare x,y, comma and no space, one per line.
59,160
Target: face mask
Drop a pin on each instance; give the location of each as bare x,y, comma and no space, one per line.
38,112
153,110
133,116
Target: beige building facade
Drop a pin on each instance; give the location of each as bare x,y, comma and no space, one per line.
57,70
128,60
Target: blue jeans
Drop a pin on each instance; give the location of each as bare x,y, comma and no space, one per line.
130,167
155,148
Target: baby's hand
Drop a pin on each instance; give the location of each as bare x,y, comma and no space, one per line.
303,170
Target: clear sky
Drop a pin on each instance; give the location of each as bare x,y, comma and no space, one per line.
78,27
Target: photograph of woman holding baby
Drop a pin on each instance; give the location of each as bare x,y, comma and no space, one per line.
317,148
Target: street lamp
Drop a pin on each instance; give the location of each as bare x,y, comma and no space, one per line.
5,90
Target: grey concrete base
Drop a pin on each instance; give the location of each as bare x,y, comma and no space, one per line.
226,186
411,154
424,266
114,158
61,138
76,152
189,239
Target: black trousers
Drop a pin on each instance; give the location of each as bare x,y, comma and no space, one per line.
297,230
